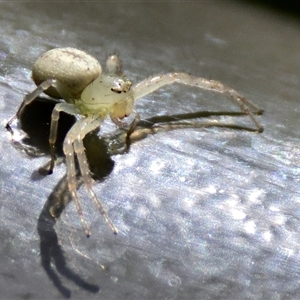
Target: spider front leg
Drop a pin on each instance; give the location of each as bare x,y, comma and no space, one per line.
131,128
153,83
73,144
120,123
28,99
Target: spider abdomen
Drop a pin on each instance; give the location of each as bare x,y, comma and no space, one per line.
73,70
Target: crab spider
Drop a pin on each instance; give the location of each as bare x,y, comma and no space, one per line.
88,92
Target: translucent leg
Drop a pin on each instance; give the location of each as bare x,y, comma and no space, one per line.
28,99
72,182
153,83
120,123
74,144
85,173
67,108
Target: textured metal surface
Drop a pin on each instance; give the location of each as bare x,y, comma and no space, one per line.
203,213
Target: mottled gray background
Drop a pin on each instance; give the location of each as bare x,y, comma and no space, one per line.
203,213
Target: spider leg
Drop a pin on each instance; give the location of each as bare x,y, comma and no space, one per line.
72,181
153,83
130,130
85,173
120,123
134,122
67,108
74,144
28,99
114,65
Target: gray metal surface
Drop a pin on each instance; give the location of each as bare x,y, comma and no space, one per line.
203,213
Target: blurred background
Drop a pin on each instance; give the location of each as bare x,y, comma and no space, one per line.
203,212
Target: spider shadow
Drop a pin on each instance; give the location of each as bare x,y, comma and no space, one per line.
57,201
51,251
35,122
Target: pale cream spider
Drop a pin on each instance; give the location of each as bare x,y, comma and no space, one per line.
77,77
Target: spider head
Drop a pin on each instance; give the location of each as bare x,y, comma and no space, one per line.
110,93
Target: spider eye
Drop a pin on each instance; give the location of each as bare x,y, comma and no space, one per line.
116,90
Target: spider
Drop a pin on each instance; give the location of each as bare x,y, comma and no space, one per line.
77,77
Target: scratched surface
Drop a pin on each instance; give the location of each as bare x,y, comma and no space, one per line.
202,213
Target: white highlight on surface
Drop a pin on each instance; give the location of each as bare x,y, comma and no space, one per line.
255,196
128,162
155,201
156,166
267,236
279,220
143,211
210,189
182,179
250,227
231,207
188,202
274,208
237,214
